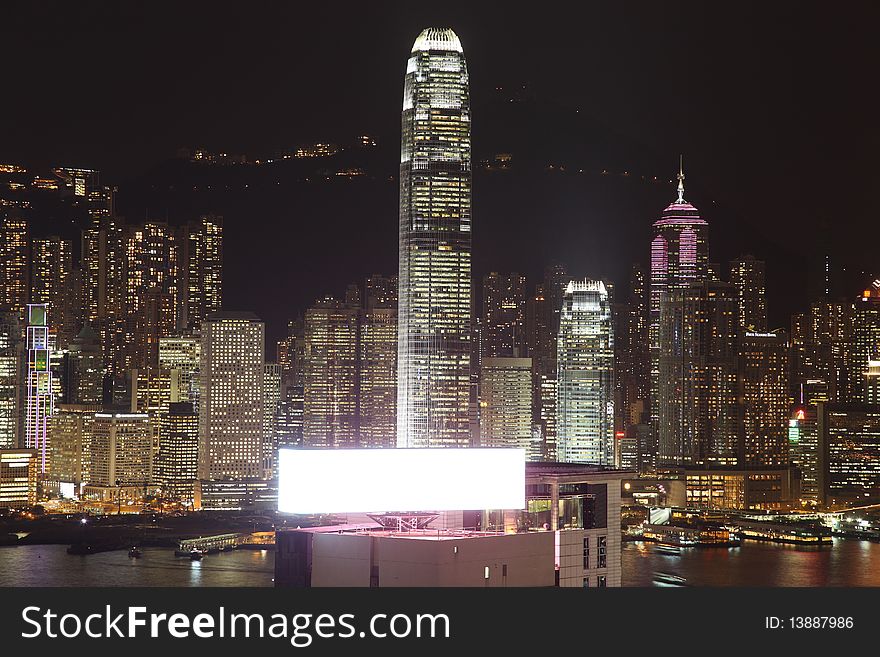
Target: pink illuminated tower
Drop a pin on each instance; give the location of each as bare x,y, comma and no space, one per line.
679,257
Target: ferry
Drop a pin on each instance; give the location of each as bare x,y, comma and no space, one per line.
693,536
797,533
196,555
669,579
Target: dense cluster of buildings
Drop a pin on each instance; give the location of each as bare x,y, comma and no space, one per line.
123,374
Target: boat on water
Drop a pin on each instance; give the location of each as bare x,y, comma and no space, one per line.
676,536
134,553
671,550
196,555
669,579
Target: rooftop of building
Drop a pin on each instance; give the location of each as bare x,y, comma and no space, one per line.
437,38
680,213
233,314
374,529
573,472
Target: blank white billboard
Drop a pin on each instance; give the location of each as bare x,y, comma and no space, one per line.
397,480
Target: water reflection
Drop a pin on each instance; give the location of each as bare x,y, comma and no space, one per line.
845,563
156,567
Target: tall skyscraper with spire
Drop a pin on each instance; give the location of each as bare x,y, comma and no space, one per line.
434,330
679,258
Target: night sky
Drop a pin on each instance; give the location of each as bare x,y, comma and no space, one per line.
773,106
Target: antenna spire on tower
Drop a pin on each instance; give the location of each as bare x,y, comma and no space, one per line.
681,179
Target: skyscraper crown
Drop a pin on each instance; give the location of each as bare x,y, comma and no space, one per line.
437,38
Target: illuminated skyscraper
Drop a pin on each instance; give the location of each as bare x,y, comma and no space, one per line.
330,392
181,356
864,344
52,284
77,182
14,262
631,363
121,452
872,383
763,372
377,371
504,316
546,307
231,397
85,368
291,357
679,258
803,450
201,271
585,366
176,465
830,338
10,378
19,471
151,280
38,395
70,448
747,274
434,346
103,280
700,415
271,404
849,454
506,405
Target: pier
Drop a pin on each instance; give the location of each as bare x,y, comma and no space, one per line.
224,542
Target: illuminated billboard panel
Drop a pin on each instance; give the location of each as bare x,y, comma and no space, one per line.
397,480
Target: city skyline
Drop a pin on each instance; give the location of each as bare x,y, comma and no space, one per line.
596,335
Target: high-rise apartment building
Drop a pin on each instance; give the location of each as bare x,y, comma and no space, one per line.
231,405
585,375
434,320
